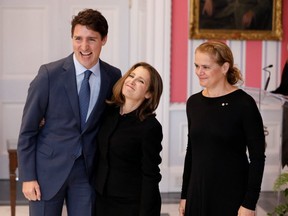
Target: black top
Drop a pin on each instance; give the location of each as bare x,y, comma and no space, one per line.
218,177
128,159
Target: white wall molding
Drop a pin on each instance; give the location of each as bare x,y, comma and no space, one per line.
150,30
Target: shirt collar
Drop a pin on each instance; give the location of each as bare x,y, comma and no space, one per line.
81,69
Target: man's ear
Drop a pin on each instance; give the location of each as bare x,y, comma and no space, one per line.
104,40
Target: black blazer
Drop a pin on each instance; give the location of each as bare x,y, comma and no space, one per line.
127,159
48,154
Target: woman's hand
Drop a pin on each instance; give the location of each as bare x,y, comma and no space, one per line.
245,212
182,207
42,123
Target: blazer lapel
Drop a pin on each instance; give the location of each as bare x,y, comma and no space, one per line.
108,127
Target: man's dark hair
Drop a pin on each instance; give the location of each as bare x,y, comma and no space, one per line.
92,19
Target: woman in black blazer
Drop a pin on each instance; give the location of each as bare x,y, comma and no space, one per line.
127,175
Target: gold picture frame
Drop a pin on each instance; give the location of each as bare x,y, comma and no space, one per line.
200,29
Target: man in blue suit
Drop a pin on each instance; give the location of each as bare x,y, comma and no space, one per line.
56,157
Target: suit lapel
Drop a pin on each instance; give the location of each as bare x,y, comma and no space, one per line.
71,86
103,94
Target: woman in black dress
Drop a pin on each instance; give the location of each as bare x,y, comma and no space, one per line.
219,178
129,145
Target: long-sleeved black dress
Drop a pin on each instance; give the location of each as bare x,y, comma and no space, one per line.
127,172
219,176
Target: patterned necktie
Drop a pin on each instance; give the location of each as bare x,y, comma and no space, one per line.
84,98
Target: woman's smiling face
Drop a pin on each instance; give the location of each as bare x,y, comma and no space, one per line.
137,84
209,72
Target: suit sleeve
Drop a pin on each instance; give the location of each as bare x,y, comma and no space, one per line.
151,148
34,111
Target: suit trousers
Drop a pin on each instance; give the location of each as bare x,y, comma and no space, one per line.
76,193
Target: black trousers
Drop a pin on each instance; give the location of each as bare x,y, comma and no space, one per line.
115,206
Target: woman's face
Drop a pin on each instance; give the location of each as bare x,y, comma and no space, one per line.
209,72
136,85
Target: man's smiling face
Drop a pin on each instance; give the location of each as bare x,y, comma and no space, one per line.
87,45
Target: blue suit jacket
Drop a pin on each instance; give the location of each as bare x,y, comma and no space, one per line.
47,154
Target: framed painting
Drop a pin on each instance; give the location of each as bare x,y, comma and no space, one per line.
236,19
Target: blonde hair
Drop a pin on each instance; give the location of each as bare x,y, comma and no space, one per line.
222,53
